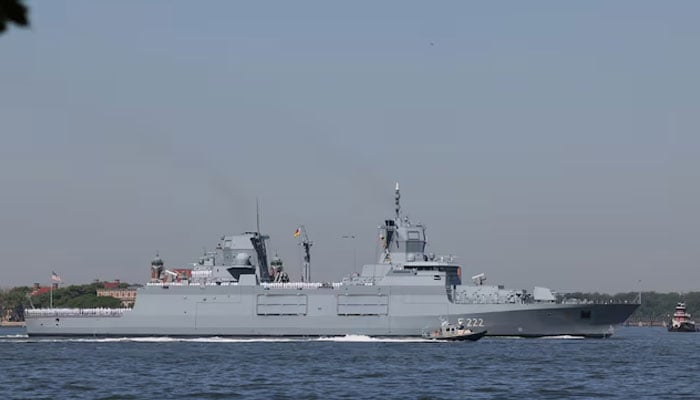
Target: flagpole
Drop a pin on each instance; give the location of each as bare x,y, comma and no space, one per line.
55,279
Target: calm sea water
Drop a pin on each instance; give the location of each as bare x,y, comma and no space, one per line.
636,363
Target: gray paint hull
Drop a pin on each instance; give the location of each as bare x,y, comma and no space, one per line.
373,311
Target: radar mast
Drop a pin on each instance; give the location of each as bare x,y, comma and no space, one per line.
397,197
306,244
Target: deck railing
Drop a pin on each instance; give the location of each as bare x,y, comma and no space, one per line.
75,312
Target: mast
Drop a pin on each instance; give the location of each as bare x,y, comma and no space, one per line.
257,214
397,197
306,244
258,241
400,240
387,232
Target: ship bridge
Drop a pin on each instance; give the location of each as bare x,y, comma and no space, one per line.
401,240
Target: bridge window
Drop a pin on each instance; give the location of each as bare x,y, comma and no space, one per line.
453,275
414,246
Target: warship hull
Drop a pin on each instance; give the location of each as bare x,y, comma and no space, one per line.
373,311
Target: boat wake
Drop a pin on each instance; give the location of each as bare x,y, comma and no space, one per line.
563,337
369,339
218,339
10,337
164,339
223,339
553,337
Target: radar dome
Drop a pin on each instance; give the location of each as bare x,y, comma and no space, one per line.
276,261
157,261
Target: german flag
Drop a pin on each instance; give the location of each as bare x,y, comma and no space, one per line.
297,233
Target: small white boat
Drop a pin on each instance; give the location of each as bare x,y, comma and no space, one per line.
454,332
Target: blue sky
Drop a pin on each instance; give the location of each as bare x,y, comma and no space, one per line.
549,143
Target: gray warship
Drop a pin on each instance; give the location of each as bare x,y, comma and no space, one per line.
233,291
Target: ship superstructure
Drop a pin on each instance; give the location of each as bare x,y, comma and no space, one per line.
233,291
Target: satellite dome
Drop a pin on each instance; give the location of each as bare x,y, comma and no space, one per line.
157,261
276,261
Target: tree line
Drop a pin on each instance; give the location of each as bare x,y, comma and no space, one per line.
14,301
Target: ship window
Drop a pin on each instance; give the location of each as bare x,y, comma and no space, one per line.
227,244
452,275
414,235
585,314
414,246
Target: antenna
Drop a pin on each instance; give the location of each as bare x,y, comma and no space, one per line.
397,197
257,214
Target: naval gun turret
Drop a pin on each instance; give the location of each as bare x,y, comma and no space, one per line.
235,256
